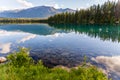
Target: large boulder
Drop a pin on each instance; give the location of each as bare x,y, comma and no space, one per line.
3,59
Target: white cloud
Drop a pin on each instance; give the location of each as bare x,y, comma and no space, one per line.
54,36
25,3
112,63
27,38
5,48
2,8
7,33
53,4
57,6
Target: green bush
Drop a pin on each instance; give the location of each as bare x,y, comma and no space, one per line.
21,58
22,67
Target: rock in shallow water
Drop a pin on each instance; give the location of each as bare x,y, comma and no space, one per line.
2,59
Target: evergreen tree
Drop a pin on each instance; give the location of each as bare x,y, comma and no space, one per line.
107,13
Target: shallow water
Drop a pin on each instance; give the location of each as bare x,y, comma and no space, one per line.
66,44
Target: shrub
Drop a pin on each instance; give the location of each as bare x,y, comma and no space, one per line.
22,67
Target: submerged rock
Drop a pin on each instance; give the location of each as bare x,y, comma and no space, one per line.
117,22
92,22
2,59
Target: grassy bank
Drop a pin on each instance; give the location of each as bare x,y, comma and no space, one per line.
22,67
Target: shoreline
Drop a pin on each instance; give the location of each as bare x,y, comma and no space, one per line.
43,21
61,67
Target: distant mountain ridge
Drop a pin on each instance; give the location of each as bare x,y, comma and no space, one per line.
34,12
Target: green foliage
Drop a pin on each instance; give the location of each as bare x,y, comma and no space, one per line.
21,67
107,13
21,58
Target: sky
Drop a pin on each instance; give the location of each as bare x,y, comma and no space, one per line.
73,4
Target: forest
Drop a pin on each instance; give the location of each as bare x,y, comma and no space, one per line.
97,14
22,20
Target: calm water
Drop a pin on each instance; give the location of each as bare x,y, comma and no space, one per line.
66,44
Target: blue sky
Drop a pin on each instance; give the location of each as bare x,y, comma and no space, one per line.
74,4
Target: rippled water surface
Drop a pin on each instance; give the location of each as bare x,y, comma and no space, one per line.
66,44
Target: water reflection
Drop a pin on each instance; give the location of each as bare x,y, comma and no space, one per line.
104,32
110,62
26,38
5,48
112,65
10,40
65,44
38,29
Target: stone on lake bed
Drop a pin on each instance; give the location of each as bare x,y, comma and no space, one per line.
2,59
117,22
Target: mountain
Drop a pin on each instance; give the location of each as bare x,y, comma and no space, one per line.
34,12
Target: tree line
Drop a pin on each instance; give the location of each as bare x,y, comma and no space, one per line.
22,20
106,13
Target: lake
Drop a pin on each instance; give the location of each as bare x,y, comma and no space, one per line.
66,44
